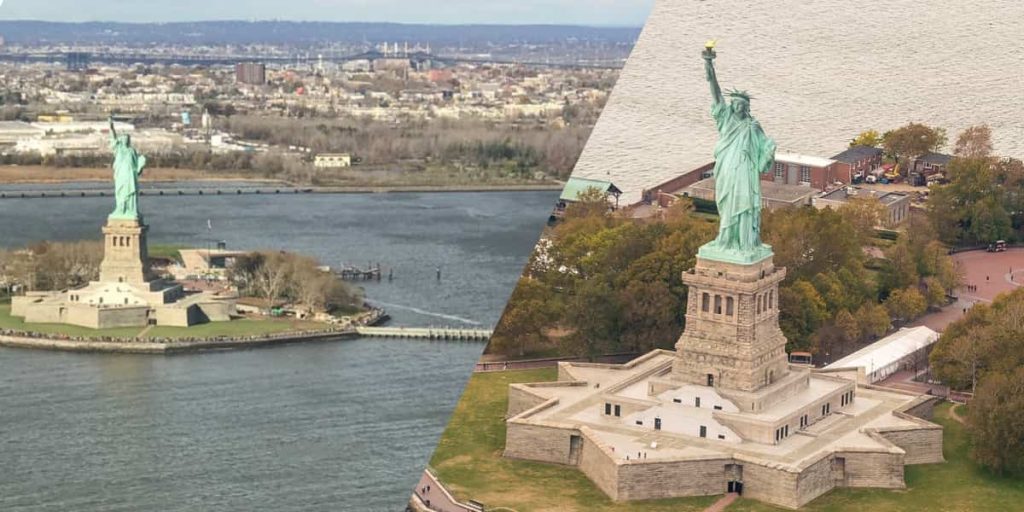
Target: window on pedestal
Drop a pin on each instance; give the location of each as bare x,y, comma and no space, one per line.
705,302
759,303
729,306
718,304
771,300
703,431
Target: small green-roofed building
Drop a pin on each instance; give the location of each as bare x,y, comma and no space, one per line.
576,186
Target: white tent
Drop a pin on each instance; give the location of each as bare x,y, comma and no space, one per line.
882,358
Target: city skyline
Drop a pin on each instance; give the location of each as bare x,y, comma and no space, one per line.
456,12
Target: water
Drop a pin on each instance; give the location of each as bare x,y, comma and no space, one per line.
323,426
820,73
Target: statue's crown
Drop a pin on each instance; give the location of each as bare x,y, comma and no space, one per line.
736,93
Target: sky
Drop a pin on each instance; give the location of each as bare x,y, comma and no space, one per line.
631,13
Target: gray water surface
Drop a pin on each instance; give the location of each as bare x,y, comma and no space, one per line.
324,426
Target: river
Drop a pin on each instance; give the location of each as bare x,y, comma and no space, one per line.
321,426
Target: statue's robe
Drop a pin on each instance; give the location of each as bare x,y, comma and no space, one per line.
128,165
743,152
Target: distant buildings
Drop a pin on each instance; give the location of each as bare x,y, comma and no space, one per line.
332,161
77,61
251,73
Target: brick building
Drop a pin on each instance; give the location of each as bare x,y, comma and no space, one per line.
857,162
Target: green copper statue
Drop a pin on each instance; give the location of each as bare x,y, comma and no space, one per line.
128,165
743,152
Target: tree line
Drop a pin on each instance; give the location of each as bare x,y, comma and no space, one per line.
49,266
984,352
534,148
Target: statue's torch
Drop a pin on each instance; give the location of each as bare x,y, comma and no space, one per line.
709,50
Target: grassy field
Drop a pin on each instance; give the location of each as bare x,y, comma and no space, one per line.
469,461
241,327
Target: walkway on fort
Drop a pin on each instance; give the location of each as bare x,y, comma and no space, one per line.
723,502
431,495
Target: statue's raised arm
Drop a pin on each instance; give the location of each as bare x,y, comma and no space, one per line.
113,132
709,70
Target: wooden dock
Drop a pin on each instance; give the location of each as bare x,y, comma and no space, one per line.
426,333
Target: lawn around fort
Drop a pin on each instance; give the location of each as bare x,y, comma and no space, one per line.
469,463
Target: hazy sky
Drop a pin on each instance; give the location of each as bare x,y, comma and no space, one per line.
576,12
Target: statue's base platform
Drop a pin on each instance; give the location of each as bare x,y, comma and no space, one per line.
735,256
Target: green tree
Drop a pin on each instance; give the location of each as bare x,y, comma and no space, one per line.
801,312
970,208
906,304
873,320
870,138
974,142
994,422
912,141
530,312
848,325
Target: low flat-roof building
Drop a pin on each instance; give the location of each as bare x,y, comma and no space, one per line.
896,204
905,349
332,160
773,195
795,169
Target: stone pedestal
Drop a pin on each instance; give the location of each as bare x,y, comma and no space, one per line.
732,338
125,253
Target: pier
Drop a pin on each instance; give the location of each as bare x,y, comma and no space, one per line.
426,333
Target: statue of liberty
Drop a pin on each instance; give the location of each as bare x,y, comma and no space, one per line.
743,152
128,165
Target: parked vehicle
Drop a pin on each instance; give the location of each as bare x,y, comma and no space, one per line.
998,246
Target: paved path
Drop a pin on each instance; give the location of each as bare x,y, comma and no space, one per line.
992,273
723,502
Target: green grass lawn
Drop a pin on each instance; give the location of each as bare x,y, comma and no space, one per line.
240,327
469,461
